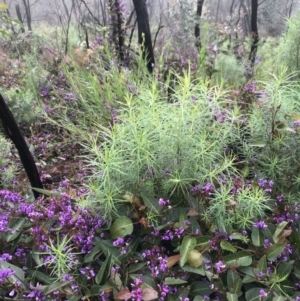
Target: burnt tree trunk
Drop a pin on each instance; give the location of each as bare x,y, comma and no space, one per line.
19,15
197,26
254,30
144,32
117,22
28,13
13,131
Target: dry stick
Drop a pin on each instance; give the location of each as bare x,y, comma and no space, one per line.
68,28
13,131
156,34
86,6
130,37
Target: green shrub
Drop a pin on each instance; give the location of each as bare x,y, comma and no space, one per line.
7,168
158,148
289,48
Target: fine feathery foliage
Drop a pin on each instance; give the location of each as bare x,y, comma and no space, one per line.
158,148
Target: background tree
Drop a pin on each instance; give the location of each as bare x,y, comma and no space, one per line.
254,30
197,26
144,34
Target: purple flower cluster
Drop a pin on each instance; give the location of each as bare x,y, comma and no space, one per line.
163,203
220,267
205,190
261,225
156,260
137,292
266,185
5,273
251,87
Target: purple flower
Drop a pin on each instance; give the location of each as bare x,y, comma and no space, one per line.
5,273
5,257
118,241
260,274
261,225
162,202
220,266
262,293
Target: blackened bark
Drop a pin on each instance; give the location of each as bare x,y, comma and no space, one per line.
254,30
19,15
117,22
13,131
28,13
197,26
144,32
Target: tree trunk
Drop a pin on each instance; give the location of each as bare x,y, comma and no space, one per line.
19,15
117,21
254,31
197,26
13,131
144,32
28,13
218,8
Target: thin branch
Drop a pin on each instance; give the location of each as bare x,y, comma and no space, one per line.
86,6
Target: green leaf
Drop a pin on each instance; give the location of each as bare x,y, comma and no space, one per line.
257,237
136,267
188,244
200,288
16,228
182,218
247,271
253,294
95,290
152,204
234,282
274,251
232,297
268,233
107,248
55,287
133,245
295,238
174,281
199,271
279,229
237,236
3,32
18,276
41,277
147,281
278,298
104,272
53,194
202,242
17,21
258,143
227,246
283,270
92,254
249,279
121,227
297,272
198,298
280,233
242,258
262,265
